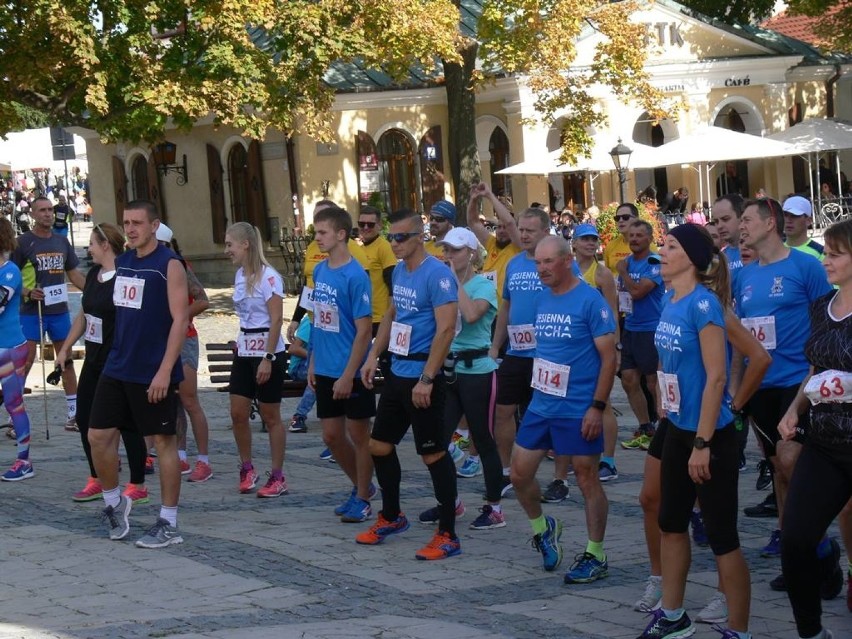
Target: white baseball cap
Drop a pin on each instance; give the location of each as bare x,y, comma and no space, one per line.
459,237
164,233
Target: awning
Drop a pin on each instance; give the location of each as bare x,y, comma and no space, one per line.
598,162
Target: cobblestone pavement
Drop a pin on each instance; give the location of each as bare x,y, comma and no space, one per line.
286,568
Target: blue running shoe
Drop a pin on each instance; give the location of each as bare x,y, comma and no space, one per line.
547,543
699,534
21,469
358,511
326,455
382,529
663,628
773,548
342,508
586,569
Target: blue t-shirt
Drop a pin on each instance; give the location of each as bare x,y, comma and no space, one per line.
679,347
521,287
735,263
783,290
646,311
565,329
416,295
477,336
341,296
303,332
11,334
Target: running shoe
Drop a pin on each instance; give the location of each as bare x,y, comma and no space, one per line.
431,515
650,599
556,491
663,628
71,425
353,495
743,463
456,453
471,467
764,475
640,441
441,546
248,479
21,469
138,494
699,534
185,468
117,518
160,535
507,488
488,519
607,472
779,584
326,455
767,508
716,610
149,465
586,569
201,472
298,425
832,576
276,485
547,543
461,441
358,511
773,548
92,490
382,529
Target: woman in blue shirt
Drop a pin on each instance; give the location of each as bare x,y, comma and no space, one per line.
690,339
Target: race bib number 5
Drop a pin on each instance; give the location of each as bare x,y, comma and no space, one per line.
669,391
522,337
128,292
550,378
400,338
830,387
763,329
252,344
94,329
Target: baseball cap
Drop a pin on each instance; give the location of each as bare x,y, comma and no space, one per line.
585,230
459,237
164,233
797,205
444,208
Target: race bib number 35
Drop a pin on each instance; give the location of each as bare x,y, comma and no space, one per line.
400,338
128,292
830,387
550,378
522,337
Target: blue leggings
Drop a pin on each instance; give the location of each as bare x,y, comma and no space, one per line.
12,364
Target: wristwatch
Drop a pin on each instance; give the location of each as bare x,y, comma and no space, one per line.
700,443
618,346
269,357
425,379
598,404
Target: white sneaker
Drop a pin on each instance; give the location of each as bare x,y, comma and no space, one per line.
650,599
716,610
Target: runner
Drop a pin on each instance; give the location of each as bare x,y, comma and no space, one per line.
798,213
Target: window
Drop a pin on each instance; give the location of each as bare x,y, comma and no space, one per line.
139,179
238,176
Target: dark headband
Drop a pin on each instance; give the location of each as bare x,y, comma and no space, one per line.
698,246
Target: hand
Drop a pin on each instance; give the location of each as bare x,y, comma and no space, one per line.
368,370
699,465
494,353
592,424
36,294
421,395
621,267
478,190
342,388
264,371
159,387
291,330
787,425
62,357
311,379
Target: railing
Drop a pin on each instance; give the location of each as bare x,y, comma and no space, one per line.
293,251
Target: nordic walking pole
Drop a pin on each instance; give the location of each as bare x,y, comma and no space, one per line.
43,372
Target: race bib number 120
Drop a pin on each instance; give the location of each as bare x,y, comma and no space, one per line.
522,337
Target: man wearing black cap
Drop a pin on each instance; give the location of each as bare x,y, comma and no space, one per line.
442,217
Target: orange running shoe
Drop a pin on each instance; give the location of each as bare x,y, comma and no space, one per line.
201,472
136,493
92,490
441,546
381,529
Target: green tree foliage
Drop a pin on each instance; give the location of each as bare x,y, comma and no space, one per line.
834,23
733,12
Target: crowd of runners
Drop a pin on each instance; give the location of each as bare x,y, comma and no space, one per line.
497,350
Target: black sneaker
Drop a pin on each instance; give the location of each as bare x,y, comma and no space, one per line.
832,575
298,425
779,584
555,492
661,627
764,475
767,508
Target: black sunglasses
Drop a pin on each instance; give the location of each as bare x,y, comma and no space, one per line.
622,218
438,218
399,238
367,225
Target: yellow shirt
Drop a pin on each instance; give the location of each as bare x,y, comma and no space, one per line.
314,256
433,249
614,252
495,263
591,272
380,256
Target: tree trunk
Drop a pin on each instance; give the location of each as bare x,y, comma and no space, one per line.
461,107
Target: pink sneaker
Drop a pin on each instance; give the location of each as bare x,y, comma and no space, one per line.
136,494
185,468
201,472
92,490
248,480
275,487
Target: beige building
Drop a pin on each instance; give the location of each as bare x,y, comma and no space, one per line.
389,143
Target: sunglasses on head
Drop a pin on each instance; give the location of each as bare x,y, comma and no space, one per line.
367,225
401,237
101,232
623,218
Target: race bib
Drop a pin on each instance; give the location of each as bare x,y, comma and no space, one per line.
128,292
306,298
625,302
252,344
55,294
669,391
400,338
94,329
522,337
491,276
550,378
326,318
763,329
830,387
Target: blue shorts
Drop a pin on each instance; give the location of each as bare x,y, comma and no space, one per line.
563,435
56,327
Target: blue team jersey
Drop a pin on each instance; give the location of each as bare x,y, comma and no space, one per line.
416,295
477,336
774,298
679,348
341,296
11,334
565,329
735,263
646,311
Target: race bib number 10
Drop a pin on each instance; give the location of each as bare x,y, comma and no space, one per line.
550,378
400,338
128,292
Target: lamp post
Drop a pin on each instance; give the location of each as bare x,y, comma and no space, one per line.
621,159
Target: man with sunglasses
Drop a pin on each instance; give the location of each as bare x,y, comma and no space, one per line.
618,248
380,258
442,217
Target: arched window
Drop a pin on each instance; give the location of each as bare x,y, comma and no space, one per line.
396,170
733,176
647,131
139,178
498,148
238,176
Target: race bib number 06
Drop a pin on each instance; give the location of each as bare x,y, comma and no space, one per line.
550,378
763,329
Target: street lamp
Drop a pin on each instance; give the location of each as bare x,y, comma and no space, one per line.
164,158
621,159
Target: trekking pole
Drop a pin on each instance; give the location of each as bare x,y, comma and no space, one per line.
43,372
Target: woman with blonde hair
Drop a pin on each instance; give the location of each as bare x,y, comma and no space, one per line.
258,370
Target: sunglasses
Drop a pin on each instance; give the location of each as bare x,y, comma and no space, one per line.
399,238
622,218
367,225
433,218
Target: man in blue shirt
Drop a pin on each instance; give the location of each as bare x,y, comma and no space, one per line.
418,330
727,211
640,294
572,376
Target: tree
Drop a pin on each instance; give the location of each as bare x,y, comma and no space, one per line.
735,12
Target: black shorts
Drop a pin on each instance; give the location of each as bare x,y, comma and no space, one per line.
638,352
766,408
243,380
361,404
655,449
513,381
125,406
396,412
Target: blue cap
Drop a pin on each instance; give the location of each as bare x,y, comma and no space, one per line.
444,208
585,230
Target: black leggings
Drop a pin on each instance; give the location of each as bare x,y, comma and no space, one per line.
473,396
134,443
819,489
718,496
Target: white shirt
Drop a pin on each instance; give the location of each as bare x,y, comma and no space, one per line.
251,305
